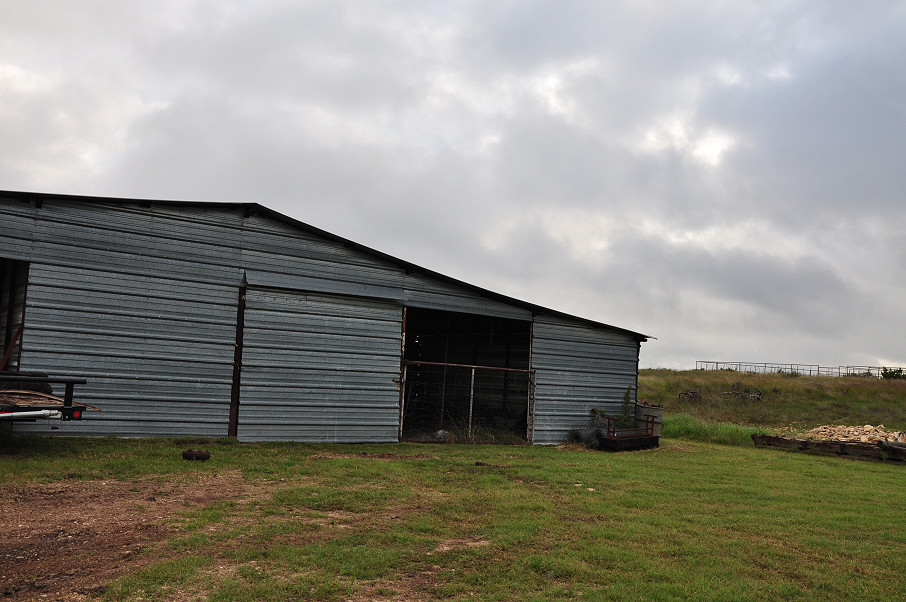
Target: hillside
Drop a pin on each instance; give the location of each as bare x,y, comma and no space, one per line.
776,400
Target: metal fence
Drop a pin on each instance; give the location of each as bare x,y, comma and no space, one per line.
441,396
803,369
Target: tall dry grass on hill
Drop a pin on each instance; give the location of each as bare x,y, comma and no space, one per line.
776,400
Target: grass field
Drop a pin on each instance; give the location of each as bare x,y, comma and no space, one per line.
705,516
689,520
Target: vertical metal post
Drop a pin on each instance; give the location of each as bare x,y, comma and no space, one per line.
402,401
233,425
8,289
635,393
506,376
443,387
530,401
530,415
402,377
471,400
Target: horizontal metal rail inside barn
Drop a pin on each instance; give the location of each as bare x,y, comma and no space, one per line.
223,319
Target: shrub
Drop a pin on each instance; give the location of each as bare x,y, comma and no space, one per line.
892,373
627,411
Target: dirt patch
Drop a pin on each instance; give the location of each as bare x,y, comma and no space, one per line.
412,587
65,540
457,544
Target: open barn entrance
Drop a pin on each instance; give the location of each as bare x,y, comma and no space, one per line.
467,377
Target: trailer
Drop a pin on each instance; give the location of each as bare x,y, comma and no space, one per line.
605,433
28,396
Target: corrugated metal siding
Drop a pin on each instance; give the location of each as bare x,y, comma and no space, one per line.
17,224
319,368
430,293
578,368
282,256
177,244
142,302
157,353
271,245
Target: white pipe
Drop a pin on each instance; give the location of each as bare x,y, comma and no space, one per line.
31,414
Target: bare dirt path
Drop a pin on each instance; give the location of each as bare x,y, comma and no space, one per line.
65,540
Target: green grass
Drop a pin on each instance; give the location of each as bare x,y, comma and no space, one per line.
776,400
705,516
686,426
688,520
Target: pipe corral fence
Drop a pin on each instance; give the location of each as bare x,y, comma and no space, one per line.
802,369
441,395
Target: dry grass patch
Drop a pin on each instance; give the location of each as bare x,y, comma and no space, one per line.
461,543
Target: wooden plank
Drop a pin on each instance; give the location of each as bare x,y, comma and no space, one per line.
880,451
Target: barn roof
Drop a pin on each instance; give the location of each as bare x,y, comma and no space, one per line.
261,210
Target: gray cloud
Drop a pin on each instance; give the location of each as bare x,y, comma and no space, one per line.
724,177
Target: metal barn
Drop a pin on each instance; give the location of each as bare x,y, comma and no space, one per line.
215,319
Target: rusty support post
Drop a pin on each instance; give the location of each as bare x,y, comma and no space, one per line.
12,345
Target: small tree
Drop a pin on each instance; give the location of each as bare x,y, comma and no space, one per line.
892,373
627,411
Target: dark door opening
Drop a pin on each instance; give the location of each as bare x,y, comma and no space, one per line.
467,377
13,283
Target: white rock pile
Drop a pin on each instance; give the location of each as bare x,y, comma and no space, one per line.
859,434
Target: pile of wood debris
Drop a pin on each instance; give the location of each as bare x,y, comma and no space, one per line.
858,434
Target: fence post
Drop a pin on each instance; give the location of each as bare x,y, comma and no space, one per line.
471,400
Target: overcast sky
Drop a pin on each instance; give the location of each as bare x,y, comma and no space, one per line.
728,177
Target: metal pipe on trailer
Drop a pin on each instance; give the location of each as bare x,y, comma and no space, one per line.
31,414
